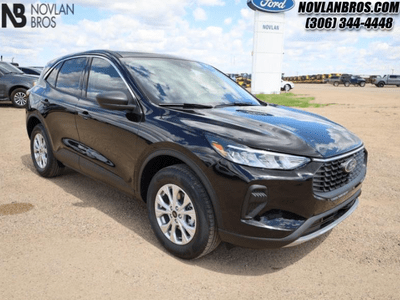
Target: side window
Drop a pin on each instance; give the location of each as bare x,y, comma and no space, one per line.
103,77
69,77
52,77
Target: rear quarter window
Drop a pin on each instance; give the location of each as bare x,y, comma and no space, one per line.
52,77
70,76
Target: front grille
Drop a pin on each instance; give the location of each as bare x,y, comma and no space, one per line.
331,175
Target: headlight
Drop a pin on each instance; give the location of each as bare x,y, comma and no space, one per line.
244,155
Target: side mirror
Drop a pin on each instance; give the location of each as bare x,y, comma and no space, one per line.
114,100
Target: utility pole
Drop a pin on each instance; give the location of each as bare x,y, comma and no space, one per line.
392,71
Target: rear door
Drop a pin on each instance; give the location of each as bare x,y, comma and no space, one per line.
58,105
107,137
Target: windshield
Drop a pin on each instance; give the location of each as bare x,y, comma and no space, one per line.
174,81
8,68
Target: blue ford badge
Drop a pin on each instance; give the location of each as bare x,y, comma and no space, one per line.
271,5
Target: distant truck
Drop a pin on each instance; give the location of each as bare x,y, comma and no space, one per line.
386,80
346,80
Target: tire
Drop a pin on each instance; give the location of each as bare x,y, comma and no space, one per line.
287,88
362,83
187,230
18,98
381,84
347,84
336,83
398,85
42,153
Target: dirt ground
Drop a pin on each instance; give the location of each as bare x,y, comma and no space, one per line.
76,238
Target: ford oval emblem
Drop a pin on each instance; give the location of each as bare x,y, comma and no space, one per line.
273,6
349,165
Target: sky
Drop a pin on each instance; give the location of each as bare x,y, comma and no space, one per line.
217,32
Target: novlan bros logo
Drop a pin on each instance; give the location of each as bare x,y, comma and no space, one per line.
16,16
43,15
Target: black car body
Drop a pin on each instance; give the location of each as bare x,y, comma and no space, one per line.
159,129
14,84
356,80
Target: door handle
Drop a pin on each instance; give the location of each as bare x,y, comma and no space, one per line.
85,115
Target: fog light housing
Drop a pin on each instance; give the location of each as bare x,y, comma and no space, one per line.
256,199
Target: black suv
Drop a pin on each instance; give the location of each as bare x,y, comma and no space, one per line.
212,162
14,83
347,79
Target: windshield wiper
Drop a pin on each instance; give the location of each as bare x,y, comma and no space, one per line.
235,104
186,105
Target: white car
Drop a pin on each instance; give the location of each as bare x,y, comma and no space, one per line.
286,85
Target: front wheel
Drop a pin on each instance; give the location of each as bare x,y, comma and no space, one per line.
181,214
42,153
19,98
347,84
362,84
287,88
381,84
336,83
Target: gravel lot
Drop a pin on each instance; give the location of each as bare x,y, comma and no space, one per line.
76,238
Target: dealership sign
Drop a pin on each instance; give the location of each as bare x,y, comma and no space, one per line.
274,6
42,15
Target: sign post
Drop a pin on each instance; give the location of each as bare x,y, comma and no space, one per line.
269,28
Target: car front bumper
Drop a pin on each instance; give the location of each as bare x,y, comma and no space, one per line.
321,224
282,209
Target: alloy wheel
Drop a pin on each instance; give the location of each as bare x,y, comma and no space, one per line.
175,214
40,150
20,98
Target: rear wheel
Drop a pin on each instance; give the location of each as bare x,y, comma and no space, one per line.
42,153
181,214
336,83
362,83
19,98
347,84
287,88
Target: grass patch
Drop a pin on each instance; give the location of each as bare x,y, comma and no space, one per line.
289,99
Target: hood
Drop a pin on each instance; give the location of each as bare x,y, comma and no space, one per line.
30,76
276,128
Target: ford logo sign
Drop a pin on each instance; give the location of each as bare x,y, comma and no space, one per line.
273,6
